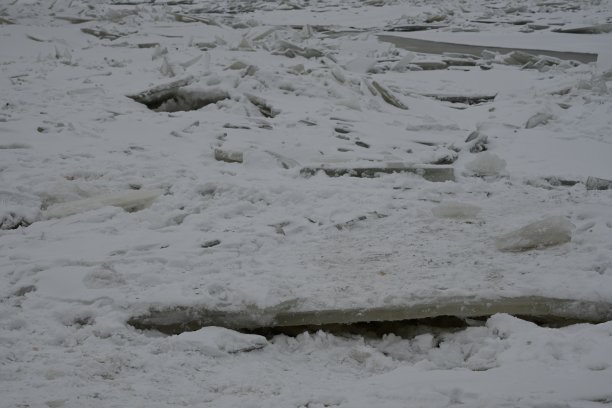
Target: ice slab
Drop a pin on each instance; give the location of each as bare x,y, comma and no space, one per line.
537,235
476,99
440,47
129,201
595,183
430,173
594,29
552,310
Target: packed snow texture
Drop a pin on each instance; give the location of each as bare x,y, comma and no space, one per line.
152,156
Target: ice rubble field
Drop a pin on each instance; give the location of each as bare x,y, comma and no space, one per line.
109,208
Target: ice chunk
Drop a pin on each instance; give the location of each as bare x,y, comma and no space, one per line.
285,162
229,156
237,65
167,69
402,65
550,231
465,99
178,319
452,209
518,58
338,75
595,29
18,210
388,96
102,34
216,341
538,119
159,52
595,183
430,65
291,50
477,142
157,95
431,173
128,200
362,65
486,164
264,107
297,69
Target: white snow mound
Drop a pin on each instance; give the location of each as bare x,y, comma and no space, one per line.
216,341
486,164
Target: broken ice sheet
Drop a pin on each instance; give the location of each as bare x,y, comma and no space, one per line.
548,232
434,173
102,34
540,118
264,107
128,200
155,96
595,183
594,29
387,96
178,96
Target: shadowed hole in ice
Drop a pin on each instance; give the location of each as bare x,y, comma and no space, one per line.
403,328
376,329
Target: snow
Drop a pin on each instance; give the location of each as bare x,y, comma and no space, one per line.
486,164
214,341
113,204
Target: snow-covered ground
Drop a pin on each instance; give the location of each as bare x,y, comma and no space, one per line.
110,209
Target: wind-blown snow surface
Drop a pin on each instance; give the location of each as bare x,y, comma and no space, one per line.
260,234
